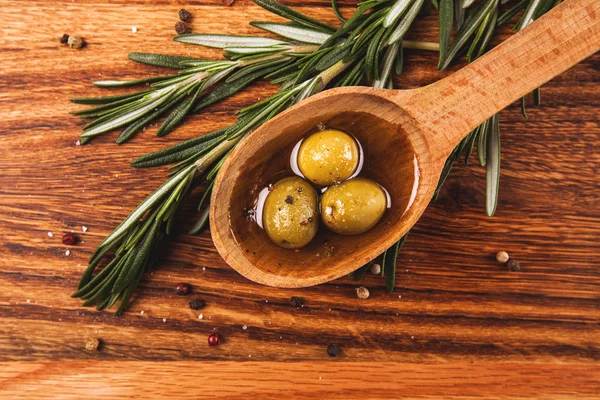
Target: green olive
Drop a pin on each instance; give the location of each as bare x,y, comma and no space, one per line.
328,156
290,213
354,206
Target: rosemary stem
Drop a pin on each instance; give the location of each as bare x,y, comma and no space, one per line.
333,71
250,61
419,45
203,163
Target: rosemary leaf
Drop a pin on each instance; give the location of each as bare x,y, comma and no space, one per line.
110,83
337,11
201,223
470,25
478,35
223,41
139,124
482,144
399,59
159,60
360,273
388,61
338,53
372,56
537,96
446,12
109,107
178,113
388,267
292,15
406,22
293,32
488,34
523,110
106,99
492,176
399,7
504,18
262,66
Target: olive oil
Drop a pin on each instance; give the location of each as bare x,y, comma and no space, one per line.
247,224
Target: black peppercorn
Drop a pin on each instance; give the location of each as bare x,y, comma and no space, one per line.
197,304
185,15
182,289
64,39
289,200
181,28
333,350
296,301
513,265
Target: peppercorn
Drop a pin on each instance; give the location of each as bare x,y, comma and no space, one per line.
182,289
296,301
92,344
333,350
64,39
69,239
75,42
289,200
375,269
181,28
213,339
362,292
502,257
514,265
197,304
185,15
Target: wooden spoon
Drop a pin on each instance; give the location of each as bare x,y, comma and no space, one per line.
408,133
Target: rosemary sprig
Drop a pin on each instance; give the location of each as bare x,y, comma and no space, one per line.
302,70
307,58
177,95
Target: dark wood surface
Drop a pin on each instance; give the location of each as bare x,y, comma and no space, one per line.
454,304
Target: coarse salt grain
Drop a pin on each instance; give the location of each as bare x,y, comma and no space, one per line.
203,268
164,320
133,29
201,316
142,312
68,252
50,234
84,228
244,327
78,143
28,301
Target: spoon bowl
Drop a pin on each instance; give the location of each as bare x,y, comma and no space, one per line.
407,136
391,158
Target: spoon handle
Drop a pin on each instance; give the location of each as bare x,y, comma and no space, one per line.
454,106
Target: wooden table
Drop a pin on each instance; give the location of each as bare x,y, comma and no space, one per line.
459,325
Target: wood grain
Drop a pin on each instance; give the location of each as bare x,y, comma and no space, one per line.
539,328
302,380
